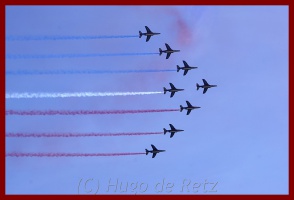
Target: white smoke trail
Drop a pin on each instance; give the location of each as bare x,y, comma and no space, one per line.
27,95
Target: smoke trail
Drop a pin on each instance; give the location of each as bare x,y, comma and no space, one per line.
74,94
64,37
58,72
37,135
16,154
83,112
48,56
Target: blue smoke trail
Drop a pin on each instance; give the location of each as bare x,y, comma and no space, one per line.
48,56
64,37
60,72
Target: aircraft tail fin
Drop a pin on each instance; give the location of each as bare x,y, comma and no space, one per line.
178,68
140,34
164,131
146,151
181,107
160,51
164,89
198,86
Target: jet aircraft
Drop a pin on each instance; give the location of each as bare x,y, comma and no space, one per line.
205,86
172,130
149,33
186,68
172,90
189,107
168,51
154,151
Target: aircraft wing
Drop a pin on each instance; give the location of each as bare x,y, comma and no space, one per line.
168,47
172,134
154,154
172,86
153,147
186,64
188,112
185,72
148,38
148,29
205,82
189,104
205,89
167,55
172,127
172,94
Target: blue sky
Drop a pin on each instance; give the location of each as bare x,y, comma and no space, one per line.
237,141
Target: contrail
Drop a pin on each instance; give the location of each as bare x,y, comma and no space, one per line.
27,95
48,56
83,112
64,37
38,135
61,72
16,154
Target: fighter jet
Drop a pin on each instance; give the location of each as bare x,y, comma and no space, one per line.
188,108
172,131
172,90
149,33
168,51
154,151
205,86
186,68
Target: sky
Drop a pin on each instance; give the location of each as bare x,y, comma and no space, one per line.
236,143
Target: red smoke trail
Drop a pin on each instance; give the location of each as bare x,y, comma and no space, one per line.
183,30
64,37
15,154
77,134
83,112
